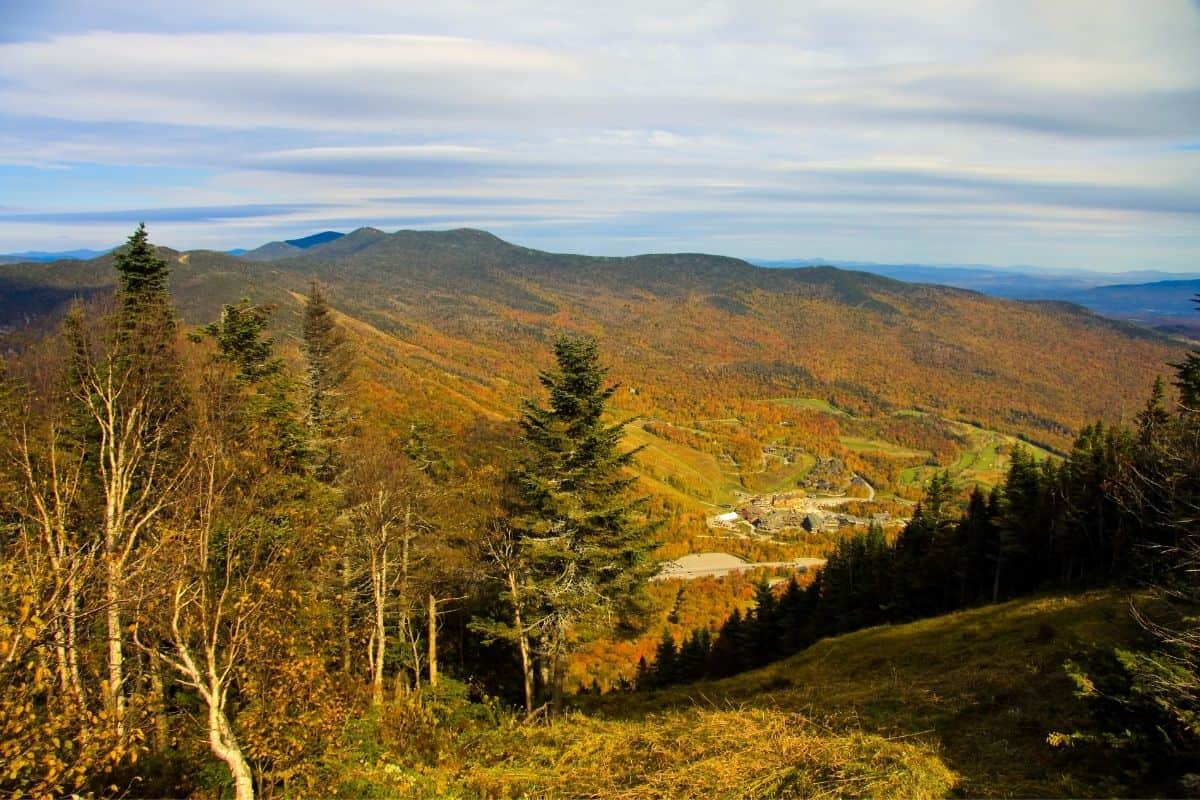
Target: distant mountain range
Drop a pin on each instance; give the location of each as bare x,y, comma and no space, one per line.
266,252
1151,298
273,251
1160,300
42,255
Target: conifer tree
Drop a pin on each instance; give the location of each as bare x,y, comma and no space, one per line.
1187,377
242,343
666,662
327,360
585,537
145,334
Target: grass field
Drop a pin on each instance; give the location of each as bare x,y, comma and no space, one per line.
698,475
954,706
979,690
859,444
983,462
704,480
780,477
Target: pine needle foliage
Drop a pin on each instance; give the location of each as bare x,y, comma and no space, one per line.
585,537
327,364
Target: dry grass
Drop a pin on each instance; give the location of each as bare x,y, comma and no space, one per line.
753,753
957,705
982,688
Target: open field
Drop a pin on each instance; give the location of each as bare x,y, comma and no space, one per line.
983,462
859,444
698,475
980,690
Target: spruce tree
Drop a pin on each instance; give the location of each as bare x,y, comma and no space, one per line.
145,334
327,360
1187,377
584,536
666,662
242,343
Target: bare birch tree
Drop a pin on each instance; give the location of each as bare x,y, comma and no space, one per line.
138,472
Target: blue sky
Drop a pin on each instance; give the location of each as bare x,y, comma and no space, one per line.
1063,134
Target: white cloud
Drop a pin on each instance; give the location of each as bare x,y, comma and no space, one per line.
884,116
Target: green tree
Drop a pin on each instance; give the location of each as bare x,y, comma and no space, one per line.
584,536
145,334
1187,376
242,344
327,360
666,670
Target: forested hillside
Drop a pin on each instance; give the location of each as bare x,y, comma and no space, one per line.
718,329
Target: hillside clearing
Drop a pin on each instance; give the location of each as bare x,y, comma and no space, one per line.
981,688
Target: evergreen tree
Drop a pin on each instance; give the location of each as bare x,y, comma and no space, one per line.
693,654
242,343
327,359
975,548
765,625
141,272
585,538
1187,377
145,335
795,618
856,584
923,553
643,675
729,653
1025,522
666,662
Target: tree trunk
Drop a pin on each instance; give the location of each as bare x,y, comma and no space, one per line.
379,586
405,621
522,643
346,604
556,692
380,651
115,699
225,746
433,664
158,702
72,612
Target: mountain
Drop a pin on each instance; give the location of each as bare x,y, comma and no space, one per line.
41,255
273,251
1143,300
315,239
1159,300
465,318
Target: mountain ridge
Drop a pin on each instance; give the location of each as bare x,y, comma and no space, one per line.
688,331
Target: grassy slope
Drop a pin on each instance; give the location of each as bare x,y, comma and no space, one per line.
959,705
979,690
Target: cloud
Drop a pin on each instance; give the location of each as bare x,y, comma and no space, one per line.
189,214
770,124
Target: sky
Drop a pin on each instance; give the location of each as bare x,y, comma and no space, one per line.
1061,134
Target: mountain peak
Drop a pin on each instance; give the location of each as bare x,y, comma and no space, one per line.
315,239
